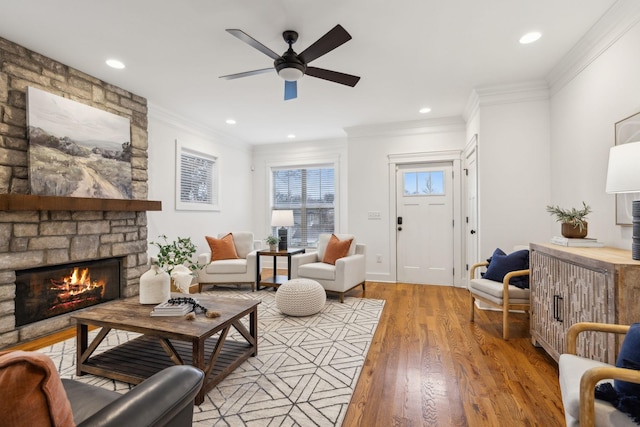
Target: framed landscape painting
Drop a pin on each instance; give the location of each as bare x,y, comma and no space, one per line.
626,130
76,150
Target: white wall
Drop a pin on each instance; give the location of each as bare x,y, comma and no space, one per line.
583,114
368,182
513,169
236,187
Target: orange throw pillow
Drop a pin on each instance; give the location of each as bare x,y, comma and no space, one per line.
222,248
336,249
32,393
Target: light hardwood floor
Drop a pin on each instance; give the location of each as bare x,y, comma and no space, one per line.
428,365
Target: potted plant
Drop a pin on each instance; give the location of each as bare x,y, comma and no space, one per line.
574,224
177,252
272,241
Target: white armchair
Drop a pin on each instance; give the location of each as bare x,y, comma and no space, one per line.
231,271
347,273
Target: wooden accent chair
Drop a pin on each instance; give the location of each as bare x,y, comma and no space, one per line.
578,378
501,295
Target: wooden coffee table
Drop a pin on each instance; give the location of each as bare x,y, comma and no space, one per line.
166,341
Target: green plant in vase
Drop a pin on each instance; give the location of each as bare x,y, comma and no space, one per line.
272,241
574,224
177,252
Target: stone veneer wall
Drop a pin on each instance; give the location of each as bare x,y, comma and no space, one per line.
37,238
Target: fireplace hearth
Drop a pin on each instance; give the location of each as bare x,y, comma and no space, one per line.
46,292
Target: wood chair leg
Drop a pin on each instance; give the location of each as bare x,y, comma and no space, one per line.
473,303
505,323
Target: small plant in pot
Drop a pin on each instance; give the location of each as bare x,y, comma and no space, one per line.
272,241
177,252
574,224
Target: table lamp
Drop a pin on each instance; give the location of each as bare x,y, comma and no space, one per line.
623,176
282,219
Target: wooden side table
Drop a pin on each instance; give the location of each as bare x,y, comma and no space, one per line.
276,280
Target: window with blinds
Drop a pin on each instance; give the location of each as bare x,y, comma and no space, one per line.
197,180
310,193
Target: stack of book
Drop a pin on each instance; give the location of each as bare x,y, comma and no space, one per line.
166,309
585,242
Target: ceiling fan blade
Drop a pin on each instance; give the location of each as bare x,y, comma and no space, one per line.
325,44
253,43
333,76
247,73
290,90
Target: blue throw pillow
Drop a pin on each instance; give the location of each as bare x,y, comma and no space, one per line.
629,357
625,395
500,264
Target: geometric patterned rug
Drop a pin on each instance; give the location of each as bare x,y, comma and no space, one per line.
304,374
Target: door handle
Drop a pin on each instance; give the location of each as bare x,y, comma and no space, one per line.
473,232
560,311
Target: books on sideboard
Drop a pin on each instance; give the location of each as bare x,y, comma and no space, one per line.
585,242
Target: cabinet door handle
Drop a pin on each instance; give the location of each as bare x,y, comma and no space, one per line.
555,307
560,317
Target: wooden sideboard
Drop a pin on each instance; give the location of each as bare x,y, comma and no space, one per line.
570,284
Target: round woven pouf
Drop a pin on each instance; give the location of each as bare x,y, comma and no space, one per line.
300,297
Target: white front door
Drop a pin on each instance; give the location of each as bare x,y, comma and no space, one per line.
424,223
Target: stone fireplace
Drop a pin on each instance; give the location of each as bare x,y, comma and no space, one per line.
42,231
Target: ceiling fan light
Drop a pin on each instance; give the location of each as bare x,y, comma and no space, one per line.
290,74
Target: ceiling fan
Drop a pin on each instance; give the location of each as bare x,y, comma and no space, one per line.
292,66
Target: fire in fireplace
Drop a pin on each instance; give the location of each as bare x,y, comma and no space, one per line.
46,292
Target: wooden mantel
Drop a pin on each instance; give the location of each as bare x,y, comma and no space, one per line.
28,202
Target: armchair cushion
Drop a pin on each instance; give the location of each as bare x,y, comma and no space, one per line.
500,264
494,291
32,391
226,266
336,249
318,270
223,248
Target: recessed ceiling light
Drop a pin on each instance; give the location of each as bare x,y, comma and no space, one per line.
530,37
425,110
230,122
291,136
114,63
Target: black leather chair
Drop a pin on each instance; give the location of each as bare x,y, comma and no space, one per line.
164,399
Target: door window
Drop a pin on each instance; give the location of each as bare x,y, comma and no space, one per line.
424,183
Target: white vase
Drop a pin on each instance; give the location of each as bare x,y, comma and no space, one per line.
155,286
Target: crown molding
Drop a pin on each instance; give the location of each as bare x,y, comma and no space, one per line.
180,122
414,127
510,93
617,21
472,107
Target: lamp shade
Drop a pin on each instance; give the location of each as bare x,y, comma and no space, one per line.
290,74
282,218
623,173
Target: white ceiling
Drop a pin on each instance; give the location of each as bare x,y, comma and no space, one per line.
409,54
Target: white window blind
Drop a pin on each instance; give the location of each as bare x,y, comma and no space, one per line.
310,193
197,185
